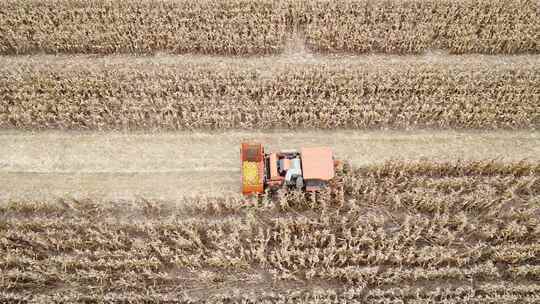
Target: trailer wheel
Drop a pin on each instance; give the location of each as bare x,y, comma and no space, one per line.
299,183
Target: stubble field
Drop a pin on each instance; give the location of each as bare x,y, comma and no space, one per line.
120,123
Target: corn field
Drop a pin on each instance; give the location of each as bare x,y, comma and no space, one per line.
248,27
186,93
401,232
428,230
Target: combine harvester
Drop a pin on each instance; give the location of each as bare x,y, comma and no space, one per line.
309,169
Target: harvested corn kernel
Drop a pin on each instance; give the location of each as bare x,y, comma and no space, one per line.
250,173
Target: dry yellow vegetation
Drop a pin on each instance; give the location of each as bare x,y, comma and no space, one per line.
220,93
401,232
102,26
248,27
413,26
459,232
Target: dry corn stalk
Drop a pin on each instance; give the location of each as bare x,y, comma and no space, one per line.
248,27
169,93
483,226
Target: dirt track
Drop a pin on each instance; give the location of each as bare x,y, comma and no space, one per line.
171,165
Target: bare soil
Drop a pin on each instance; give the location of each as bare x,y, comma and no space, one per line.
169,166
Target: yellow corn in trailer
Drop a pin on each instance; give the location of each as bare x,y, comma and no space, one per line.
251,173
252,158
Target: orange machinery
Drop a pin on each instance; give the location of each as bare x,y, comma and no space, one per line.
309,169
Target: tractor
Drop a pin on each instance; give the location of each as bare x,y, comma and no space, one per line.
308,169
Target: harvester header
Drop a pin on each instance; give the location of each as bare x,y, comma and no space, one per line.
308,169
